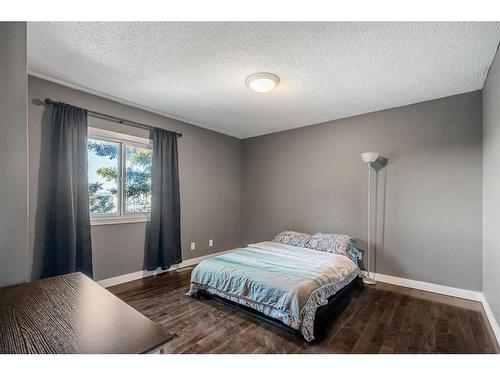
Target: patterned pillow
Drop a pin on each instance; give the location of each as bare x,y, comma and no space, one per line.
290,237
332,243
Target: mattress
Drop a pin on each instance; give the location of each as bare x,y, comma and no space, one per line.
283,282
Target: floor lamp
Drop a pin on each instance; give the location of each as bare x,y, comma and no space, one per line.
369,158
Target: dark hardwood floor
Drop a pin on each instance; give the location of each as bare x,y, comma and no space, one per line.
380,319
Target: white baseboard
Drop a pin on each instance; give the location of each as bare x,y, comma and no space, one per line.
414,284
142,274
491,318
434,288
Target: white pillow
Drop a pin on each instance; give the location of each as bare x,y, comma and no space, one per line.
292,238
331,243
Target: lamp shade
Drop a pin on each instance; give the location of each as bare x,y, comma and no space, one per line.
369,157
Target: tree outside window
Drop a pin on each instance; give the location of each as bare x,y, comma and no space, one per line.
108,161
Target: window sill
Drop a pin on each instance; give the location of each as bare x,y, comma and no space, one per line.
118,220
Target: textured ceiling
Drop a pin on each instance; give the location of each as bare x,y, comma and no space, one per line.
196,71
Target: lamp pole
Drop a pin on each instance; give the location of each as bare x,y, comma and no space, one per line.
369,158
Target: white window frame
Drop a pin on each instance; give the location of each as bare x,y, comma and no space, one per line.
125,140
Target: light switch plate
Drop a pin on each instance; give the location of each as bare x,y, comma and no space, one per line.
193,245
210,242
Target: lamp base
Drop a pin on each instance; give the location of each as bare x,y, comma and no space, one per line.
369,281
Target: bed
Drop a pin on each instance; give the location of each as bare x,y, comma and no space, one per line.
283,282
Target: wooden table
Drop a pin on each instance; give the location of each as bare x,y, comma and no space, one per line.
72,314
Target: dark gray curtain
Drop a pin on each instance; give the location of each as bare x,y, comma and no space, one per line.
68,246
164,240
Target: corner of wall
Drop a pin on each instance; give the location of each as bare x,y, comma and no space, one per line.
490,199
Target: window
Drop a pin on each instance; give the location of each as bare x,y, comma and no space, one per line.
119,174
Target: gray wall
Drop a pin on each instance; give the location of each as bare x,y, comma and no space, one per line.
491,187
210,178
308,179
312,179
13,153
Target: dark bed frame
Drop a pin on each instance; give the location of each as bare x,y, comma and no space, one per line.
323,313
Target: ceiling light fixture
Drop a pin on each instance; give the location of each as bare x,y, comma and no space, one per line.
262,82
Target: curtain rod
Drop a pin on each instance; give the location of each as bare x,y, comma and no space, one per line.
112,118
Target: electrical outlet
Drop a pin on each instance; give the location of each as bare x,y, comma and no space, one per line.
193,245
210,243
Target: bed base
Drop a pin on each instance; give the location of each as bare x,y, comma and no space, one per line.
323,313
